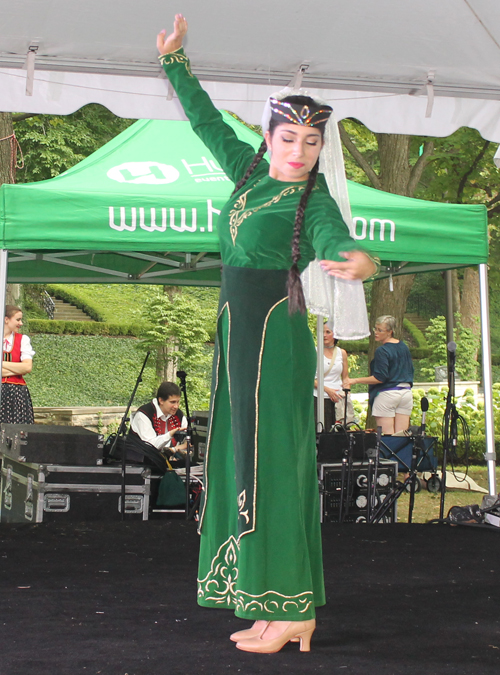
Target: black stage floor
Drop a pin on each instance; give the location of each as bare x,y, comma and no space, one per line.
120,598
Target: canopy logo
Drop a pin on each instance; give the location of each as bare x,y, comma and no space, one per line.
152,173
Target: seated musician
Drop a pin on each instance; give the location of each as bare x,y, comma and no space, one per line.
156,422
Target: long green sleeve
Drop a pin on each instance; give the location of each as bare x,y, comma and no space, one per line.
233,155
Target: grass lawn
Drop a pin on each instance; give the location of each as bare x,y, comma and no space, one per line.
427,504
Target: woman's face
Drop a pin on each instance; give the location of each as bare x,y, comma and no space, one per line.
294,150
15,322
382,333
327,336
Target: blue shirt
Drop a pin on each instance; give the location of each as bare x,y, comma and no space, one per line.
391,365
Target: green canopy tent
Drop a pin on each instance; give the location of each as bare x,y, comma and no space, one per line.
143,209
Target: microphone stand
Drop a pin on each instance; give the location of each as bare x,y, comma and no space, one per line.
122,431
450,421
418,447
373,466
396,492
182,377
346,394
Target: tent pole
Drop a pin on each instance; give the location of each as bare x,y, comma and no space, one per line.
490,454
4,257
448,284
320,400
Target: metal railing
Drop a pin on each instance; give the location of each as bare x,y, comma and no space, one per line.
48,304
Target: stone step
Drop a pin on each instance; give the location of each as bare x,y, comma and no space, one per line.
421,323
65,311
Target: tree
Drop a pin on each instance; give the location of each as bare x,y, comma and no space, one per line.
389,168
175,331
8,167
52,144
467,345
462,170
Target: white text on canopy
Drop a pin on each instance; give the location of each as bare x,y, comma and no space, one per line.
152,219
375,223
151,173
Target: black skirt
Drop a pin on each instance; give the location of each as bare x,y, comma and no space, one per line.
16,405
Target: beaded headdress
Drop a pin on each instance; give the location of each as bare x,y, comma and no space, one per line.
297,111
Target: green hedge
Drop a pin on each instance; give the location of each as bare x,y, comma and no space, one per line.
354,346
53,327
422,350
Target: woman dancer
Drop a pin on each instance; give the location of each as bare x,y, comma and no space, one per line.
17,361
260,548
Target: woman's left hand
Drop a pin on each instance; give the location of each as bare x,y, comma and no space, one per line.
357,266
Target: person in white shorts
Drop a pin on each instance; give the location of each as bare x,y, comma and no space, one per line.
390,380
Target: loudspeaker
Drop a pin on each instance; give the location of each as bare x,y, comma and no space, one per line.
49,444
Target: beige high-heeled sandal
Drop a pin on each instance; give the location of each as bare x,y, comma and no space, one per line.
248,633
252,632
297,630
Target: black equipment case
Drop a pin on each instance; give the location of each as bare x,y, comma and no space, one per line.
36,493
48,444
330,477
334,445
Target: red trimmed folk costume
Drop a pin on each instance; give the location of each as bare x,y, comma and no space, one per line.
16,407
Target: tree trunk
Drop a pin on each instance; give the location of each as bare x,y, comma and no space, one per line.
470,306
6,131
395,176
455,290
13,294
7,168
395,168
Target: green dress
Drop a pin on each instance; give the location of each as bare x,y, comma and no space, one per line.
260,548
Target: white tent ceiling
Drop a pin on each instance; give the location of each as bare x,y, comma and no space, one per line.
372,60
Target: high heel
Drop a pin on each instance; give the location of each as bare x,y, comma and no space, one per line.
301,630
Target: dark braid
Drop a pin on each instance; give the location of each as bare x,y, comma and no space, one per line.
296,300
257,157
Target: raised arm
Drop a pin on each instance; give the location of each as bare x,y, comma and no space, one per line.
233,155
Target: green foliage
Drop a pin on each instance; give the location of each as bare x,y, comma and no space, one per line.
52,144
470,409
174,330
467,346
56,327
87,371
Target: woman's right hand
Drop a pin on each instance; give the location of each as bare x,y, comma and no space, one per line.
333,395
172,42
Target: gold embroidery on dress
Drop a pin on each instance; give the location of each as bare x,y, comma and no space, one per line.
175,57
242,498
219,587
238,214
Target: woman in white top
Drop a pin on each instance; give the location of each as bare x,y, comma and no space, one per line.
18,355
335,374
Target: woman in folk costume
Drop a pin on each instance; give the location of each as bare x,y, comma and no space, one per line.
17,361
260,543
